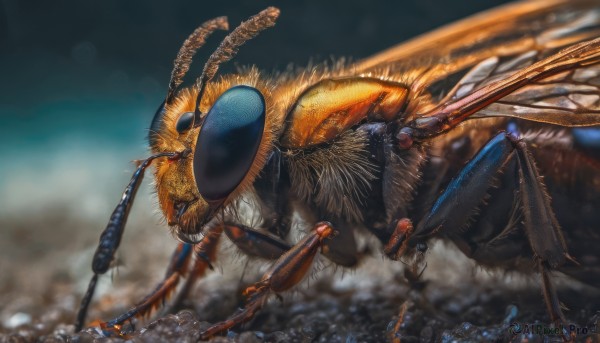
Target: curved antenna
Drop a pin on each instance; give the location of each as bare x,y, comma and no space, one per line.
195,41
229,48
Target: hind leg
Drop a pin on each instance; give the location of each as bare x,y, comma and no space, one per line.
451,211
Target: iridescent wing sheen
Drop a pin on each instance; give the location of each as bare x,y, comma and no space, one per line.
535,60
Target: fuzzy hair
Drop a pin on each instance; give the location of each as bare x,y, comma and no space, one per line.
334,178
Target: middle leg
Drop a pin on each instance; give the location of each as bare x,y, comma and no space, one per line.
287,272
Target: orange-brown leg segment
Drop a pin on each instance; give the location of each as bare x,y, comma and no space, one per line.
397,247
395,334
205,254
178,266
256,243
398,242
287,272
204,251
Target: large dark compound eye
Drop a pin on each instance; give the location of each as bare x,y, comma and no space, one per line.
228,142
156,125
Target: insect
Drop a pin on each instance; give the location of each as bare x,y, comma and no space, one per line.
471,133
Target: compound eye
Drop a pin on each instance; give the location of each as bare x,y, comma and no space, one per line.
228,142
156,125
184,122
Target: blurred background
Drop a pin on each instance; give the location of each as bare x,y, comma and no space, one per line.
79,84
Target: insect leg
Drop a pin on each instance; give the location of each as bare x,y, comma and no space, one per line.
272,188
287,271
466,192
111,236
255,243
394,335
450,213
541,227
204,252
177,268
396,245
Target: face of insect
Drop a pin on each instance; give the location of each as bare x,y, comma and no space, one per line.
228,147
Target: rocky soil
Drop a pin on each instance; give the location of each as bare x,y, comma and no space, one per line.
44,273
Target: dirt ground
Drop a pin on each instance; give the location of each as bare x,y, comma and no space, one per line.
46,267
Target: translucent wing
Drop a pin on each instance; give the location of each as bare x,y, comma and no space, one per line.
562,89
463,68
571,99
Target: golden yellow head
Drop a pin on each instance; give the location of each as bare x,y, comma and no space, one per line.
222,130
231,154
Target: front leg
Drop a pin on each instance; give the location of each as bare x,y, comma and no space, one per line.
110,239
205,253
287,272
451,212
